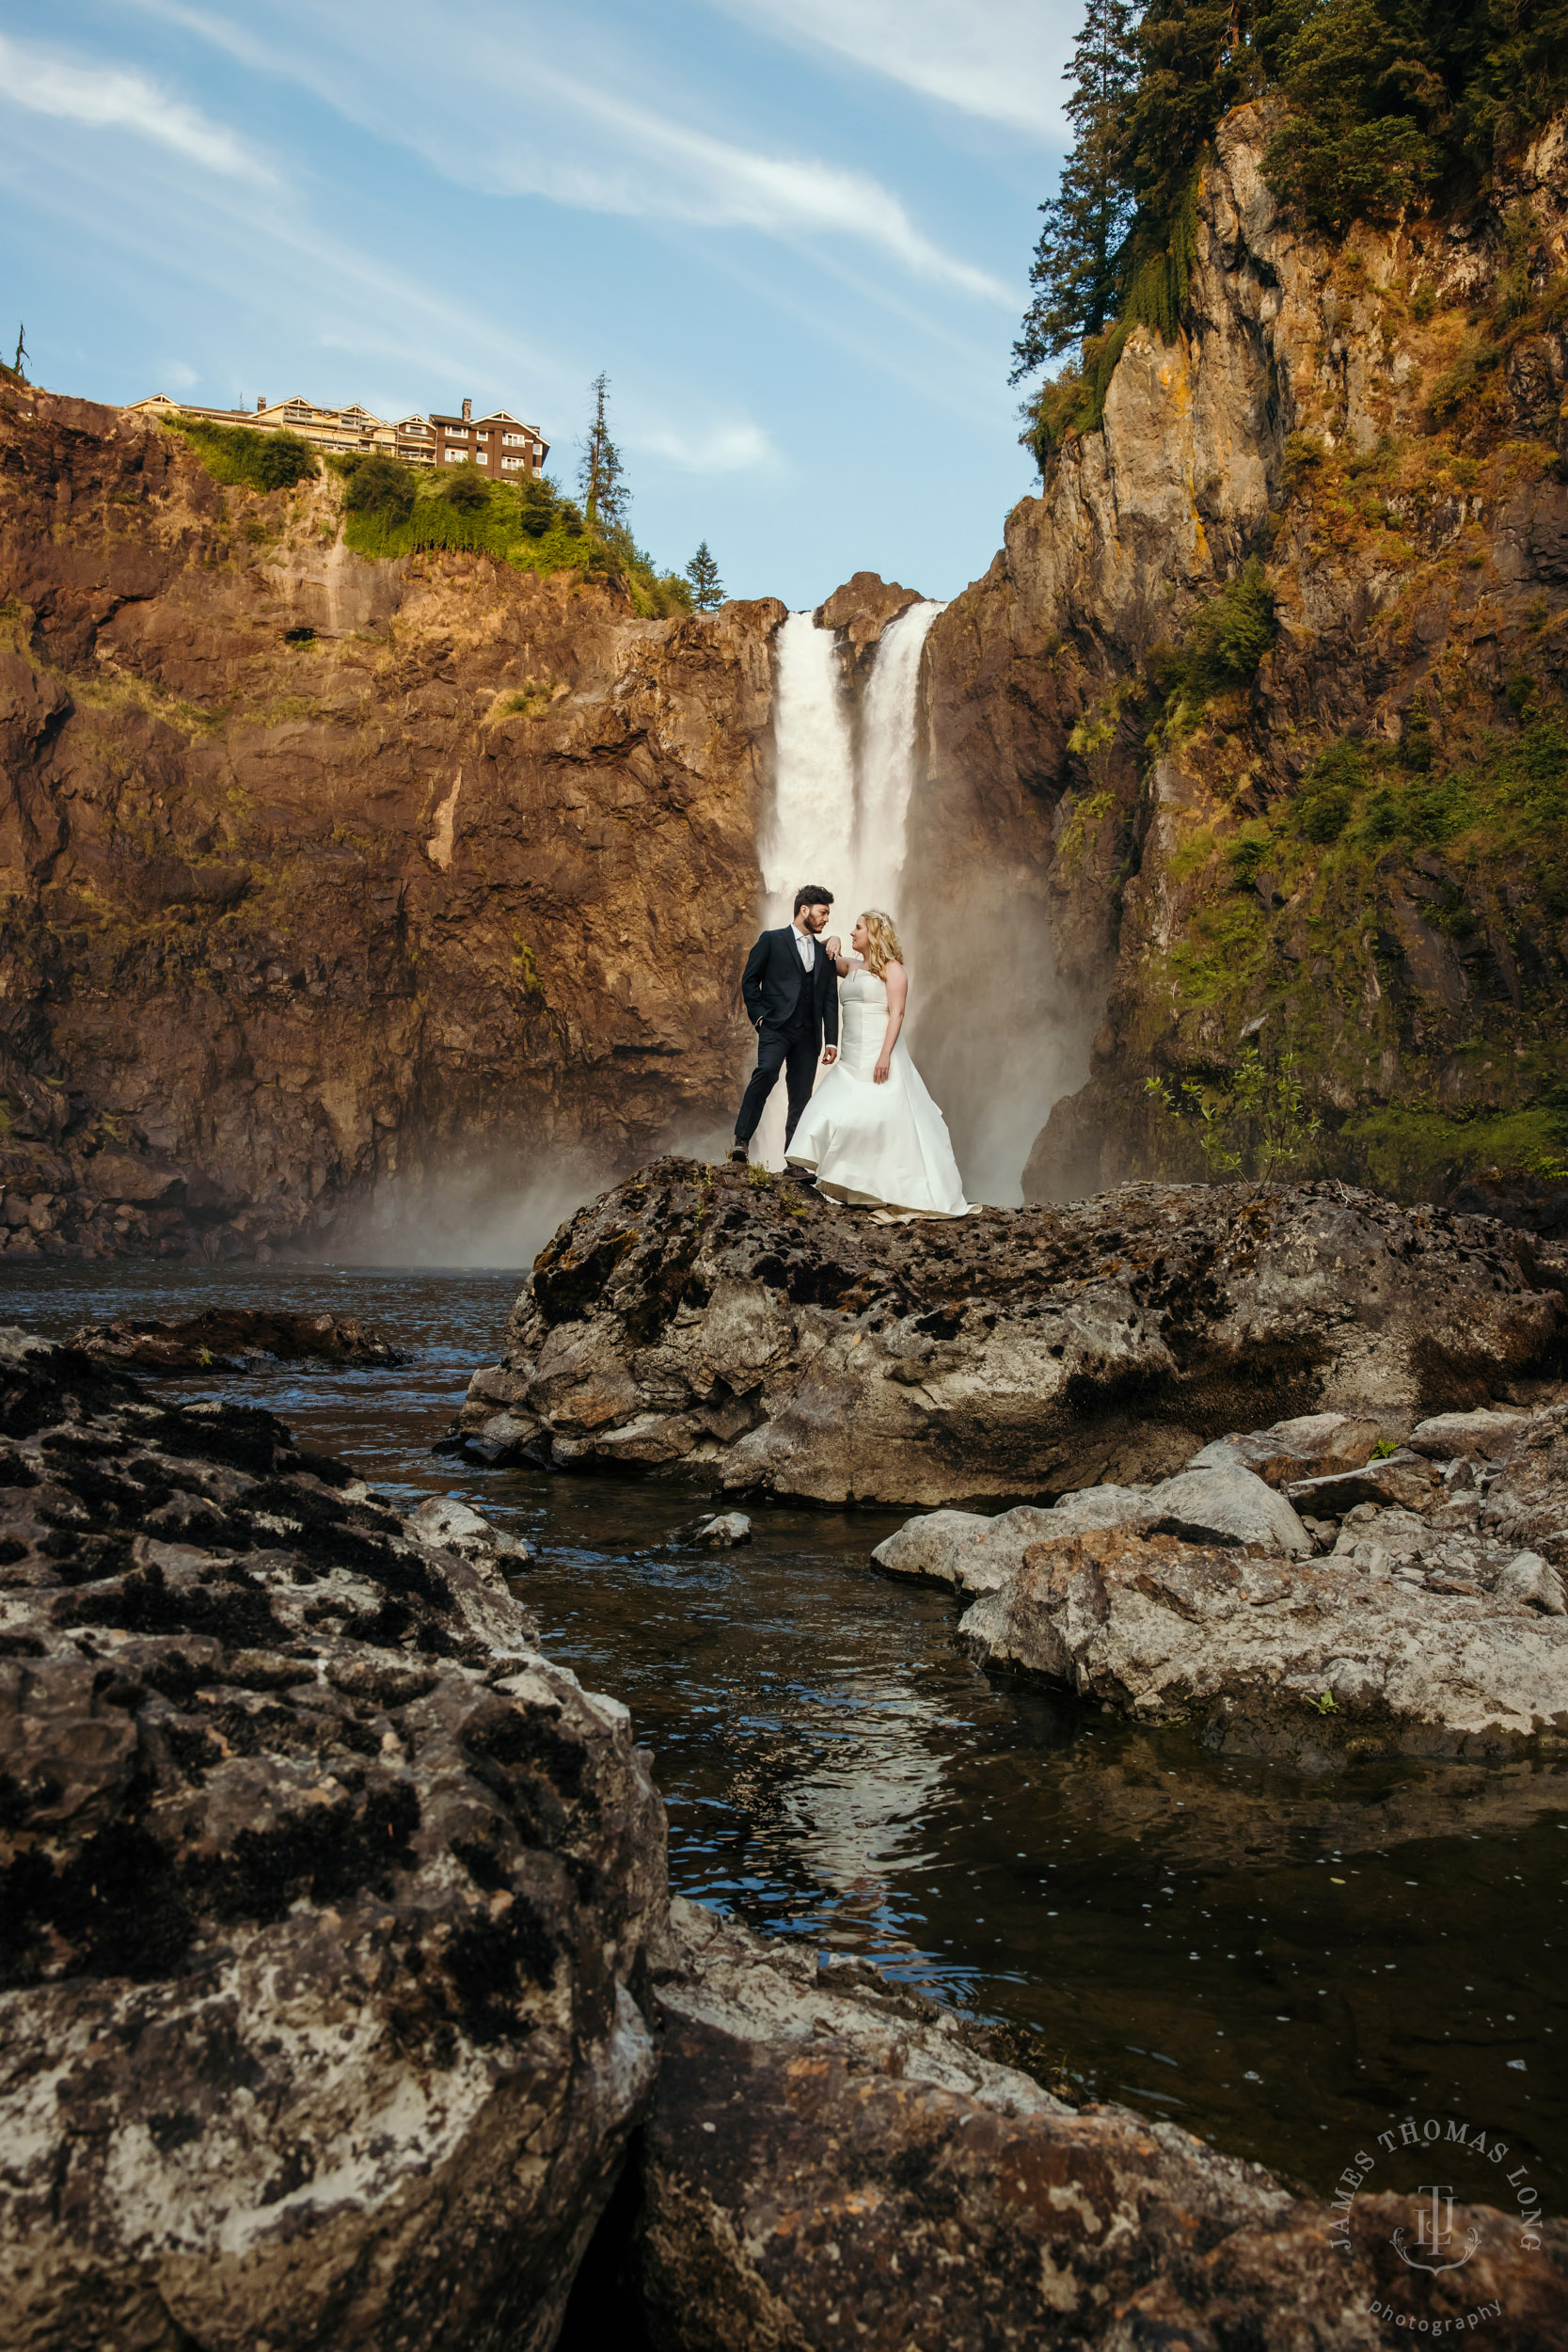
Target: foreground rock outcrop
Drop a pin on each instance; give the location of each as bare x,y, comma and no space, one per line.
325,1905
319,871
828,2163
769,1341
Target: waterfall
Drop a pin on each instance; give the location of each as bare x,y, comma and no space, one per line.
839,810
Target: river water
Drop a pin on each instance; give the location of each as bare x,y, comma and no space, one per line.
1282,1965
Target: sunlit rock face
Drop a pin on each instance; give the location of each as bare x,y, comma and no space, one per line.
327,1899
1091,927
769,1341
325,874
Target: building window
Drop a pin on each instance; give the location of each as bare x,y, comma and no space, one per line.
514,464
515,440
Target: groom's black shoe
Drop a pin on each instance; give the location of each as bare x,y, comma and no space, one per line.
737,1154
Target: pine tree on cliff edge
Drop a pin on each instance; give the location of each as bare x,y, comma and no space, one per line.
707,589
601,476
1078,261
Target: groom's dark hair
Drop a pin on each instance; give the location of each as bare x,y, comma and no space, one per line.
812,895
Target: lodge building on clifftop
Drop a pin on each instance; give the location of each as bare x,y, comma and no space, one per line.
498,444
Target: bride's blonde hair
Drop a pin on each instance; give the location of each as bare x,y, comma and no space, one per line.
881,942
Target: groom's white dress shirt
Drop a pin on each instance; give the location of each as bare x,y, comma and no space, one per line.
807,945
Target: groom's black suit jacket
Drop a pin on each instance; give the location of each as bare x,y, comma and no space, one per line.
781,993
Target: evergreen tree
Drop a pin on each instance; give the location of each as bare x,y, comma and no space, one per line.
1196,66
707,589
1363,142
1077,267
601,477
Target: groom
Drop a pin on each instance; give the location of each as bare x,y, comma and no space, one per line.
791,993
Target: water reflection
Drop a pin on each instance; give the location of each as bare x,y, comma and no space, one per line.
1281,1965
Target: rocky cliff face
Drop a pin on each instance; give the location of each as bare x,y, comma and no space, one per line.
319,872
1355,839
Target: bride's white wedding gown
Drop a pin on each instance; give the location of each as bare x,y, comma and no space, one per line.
881,1146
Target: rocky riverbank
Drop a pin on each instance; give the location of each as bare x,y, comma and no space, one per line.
765,1340
344,2003
1416,1608
827,2161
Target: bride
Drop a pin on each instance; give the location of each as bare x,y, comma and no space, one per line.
871,1134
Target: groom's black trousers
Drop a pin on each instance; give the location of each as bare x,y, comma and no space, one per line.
795,1051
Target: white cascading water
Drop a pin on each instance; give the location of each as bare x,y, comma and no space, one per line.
836,820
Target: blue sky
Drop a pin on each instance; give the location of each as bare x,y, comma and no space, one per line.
795,233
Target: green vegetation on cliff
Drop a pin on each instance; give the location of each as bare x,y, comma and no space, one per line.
243,458
390,509
401,510
1382,103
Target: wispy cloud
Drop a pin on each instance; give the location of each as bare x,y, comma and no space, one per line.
1001,60
108,97
724,449
714,181
499,114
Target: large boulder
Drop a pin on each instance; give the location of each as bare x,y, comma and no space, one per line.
831,2162
325,1900
772,1342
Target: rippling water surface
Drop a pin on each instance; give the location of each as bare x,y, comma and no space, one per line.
1283,1965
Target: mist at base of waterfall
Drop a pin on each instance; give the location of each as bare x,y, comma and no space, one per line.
489,1212
996,1036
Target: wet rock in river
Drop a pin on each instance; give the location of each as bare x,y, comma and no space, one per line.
722,1532
234,1338
457,1527
978,1555
1420,1633
325,1905
1292,1658
774,1342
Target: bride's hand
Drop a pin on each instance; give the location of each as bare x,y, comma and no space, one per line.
883,1069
